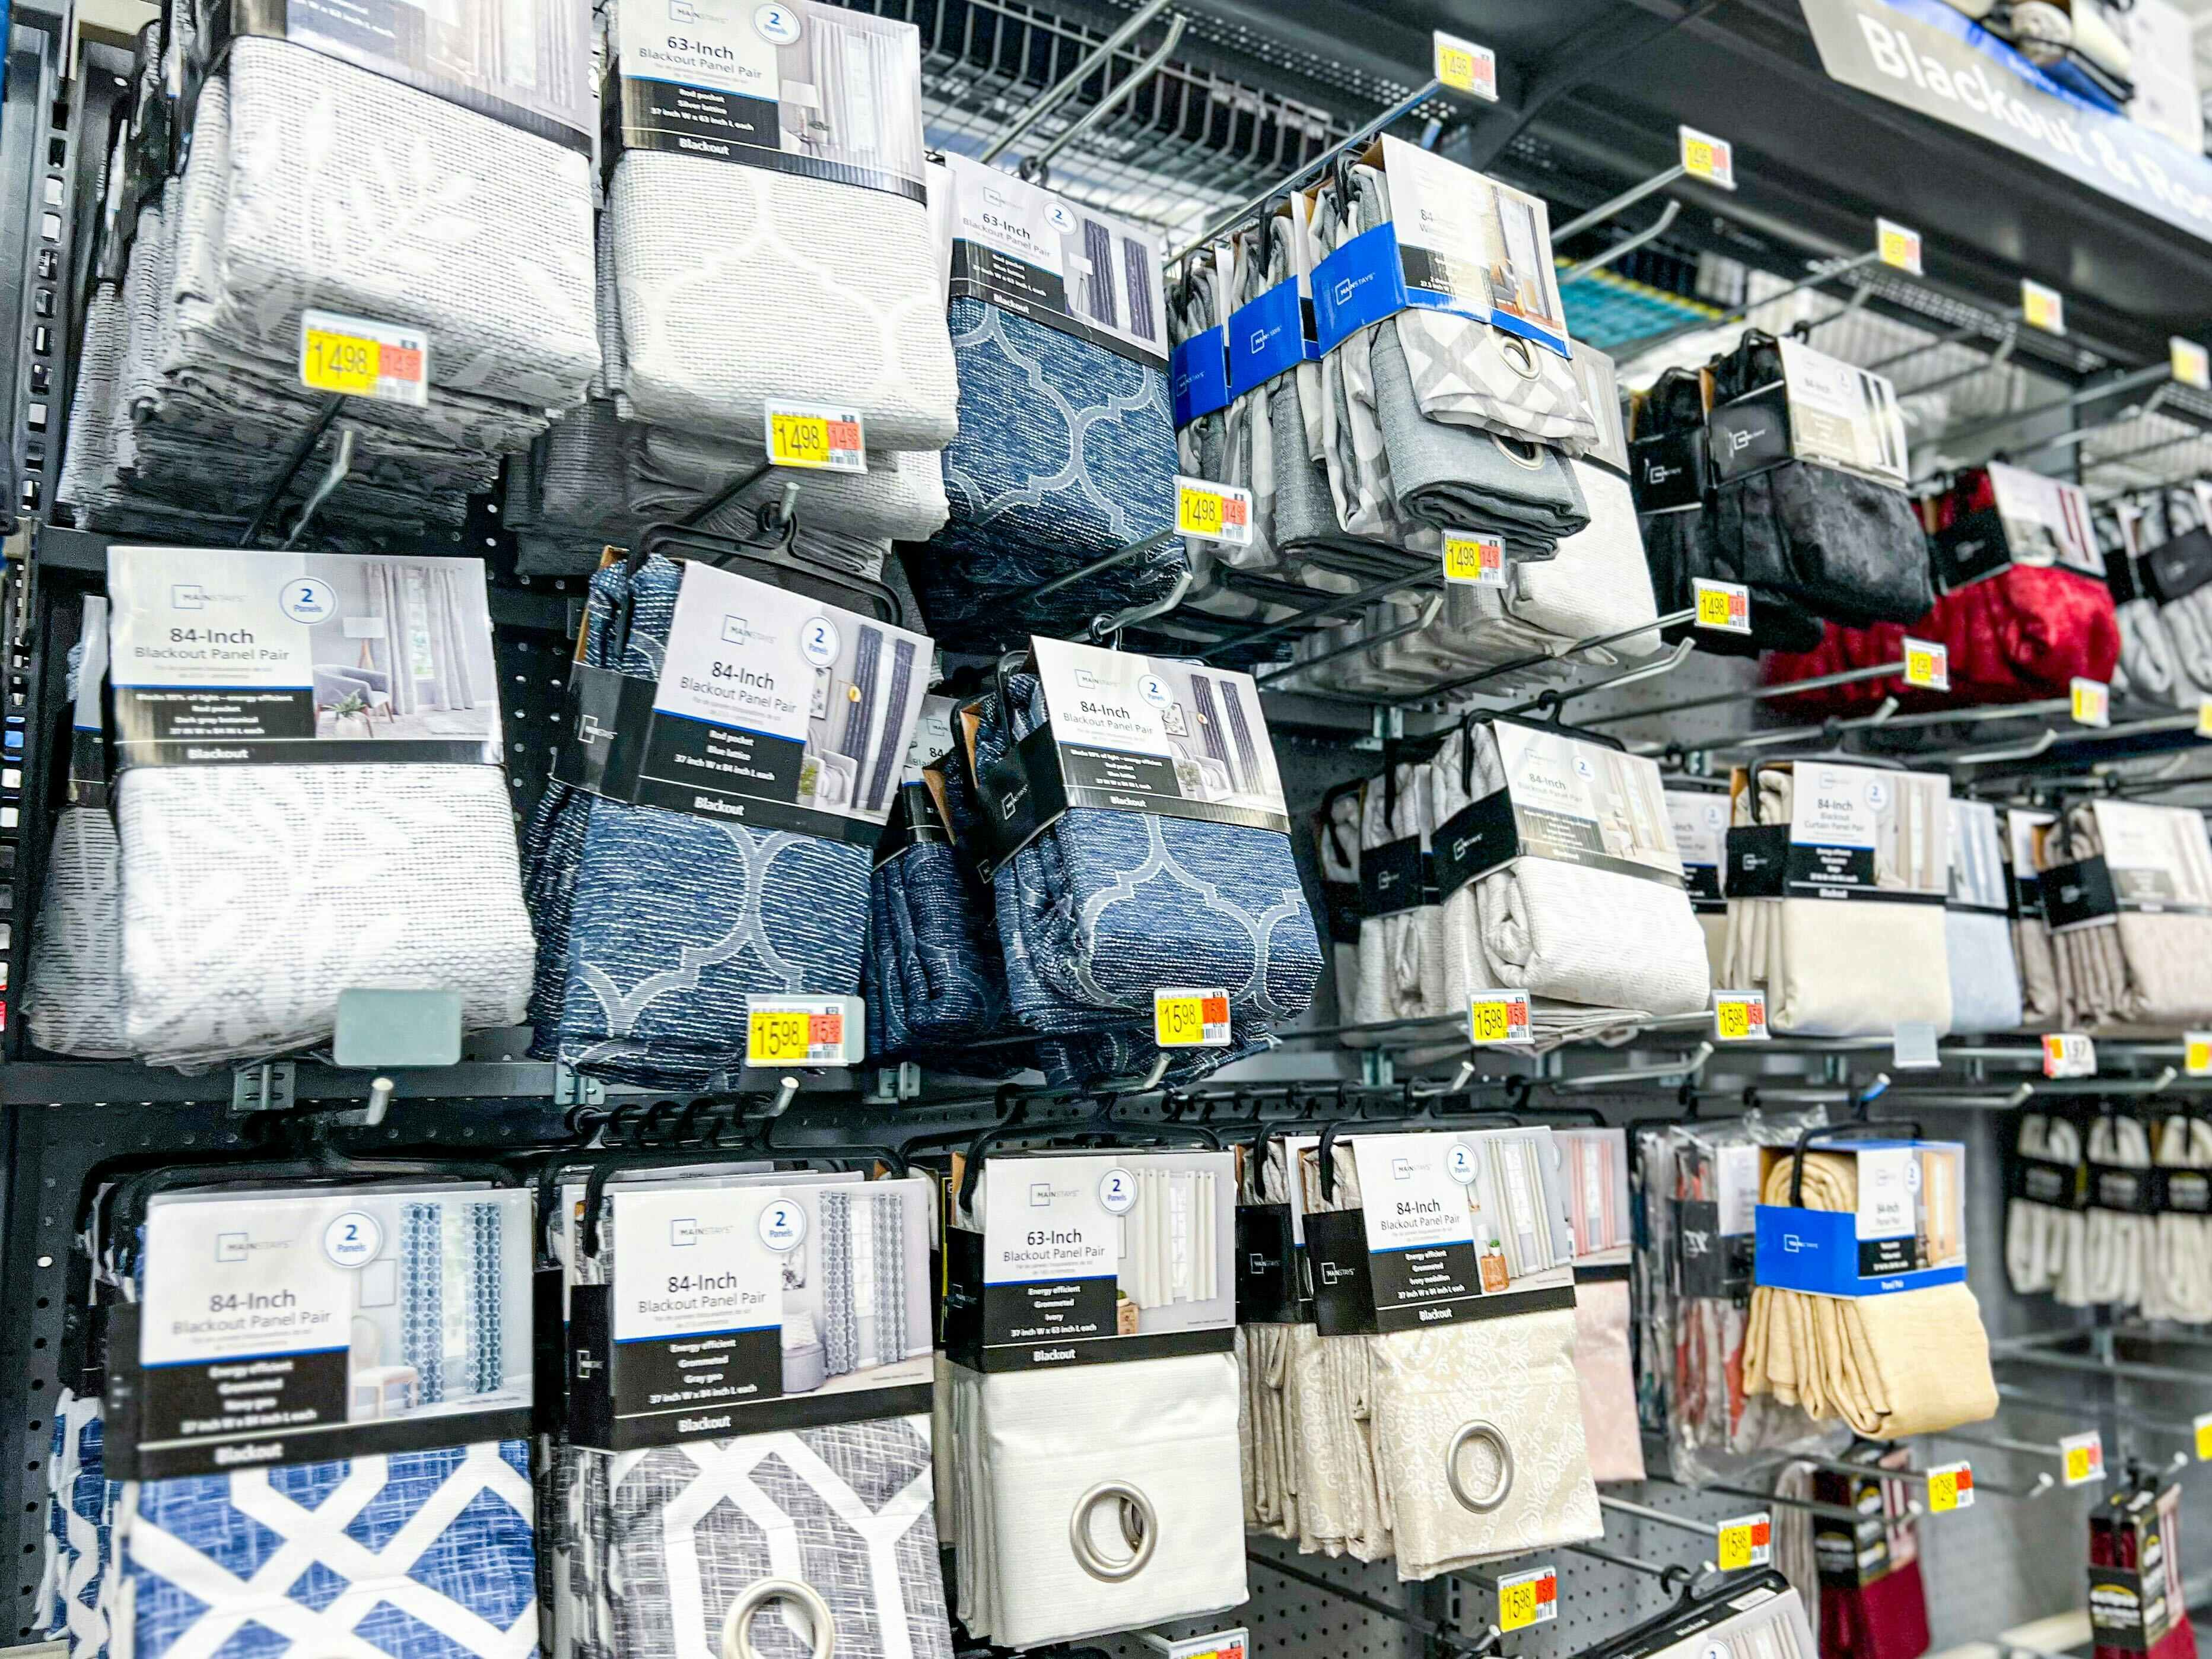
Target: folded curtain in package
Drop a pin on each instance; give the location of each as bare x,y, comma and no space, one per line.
2116,1243
80,1528
2151,665
1066,452
1848,967
1569,935
2140,967
1905,1362
1401,952
1884,1619
680,1533
1091,1458
654,926
254,895
416,1552
2046,1243
1976,932
1103,908
1605,1370
2178,1278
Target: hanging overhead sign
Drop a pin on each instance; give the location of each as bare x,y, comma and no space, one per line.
1922,54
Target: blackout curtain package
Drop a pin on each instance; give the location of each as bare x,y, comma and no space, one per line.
454,234
1102,908
358,837
811,183
2128,889
1977,930
656,923
1066,451
2046,1223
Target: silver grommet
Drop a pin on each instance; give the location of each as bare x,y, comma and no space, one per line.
1140,1527
1520,355
737,1622
1488,1433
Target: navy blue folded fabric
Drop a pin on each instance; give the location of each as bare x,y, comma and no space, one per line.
1066,452
1103,908
654,927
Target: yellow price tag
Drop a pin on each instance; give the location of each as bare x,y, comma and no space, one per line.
1479,561
1950,1487
1723,605
803,435
1198,513
2082,1457
2202,1427
1528,1598
2204,717
361,357
1928,664
2196,1049
339,363
2191,364
1220,513
1734,1020
2093,703
1745,1543
1740,1016
1899,246
777,1036
1465,67
2043,307
1183,1017
1492,1022
1499,1016
1708,159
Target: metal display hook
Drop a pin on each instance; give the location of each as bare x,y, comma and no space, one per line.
1066,87
1628,245
1538,659
1434,1633
1037,168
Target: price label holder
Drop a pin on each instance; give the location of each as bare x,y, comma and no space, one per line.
811,435
1900,246
1740,1016
1499,1016
2042,307
1466,67
1214,1645
1950,1486
1928,664
359,357
1724,607
1748,1541
1473,561
1527,1598
2093,703
2200,1435
2069,1053
1218,512
2204,717
2081,1458
1913,1046
1191,1017
804,1030
2197,1053
2191,363
1708,159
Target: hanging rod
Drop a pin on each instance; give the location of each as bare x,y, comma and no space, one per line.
1596,641
1824,1511
1554,697
1036,167
1685,1066
1621,203
1828,273
1434,603
2072,1409
1628,245
2139,379
1058,93
1756,694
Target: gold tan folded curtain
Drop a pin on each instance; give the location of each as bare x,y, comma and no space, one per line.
1910,1362
1859,951
2128,890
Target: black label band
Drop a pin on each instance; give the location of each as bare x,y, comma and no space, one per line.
2180,567
1667,471
1268,1290
2120,1187
1704,883
1043,1324
1359,1292
980,272
1758,860
915,821
725,126
159,725
1750,434
2044,1181
2078,895
1716,1266
1488,833
2181,1192
1396,877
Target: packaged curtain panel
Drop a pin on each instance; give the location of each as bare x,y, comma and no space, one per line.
2137,1602
1836,883
1594,1183
1861,1311
449,304
2127,894
2046,1219
1451,1257
762,155
1140,845
1762,1619
389,1329
1090,1402
1066,451
1977,926
72,999
1552,852
2031,927
1700,821
735,748
1872,1601
2178,1264
309,798
1699,1194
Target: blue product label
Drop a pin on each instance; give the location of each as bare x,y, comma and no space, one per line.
1371,278
1198,369
1539,333
1819,1252
1269,336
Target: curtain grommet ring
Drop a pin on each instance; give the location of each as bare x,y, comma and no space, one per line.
1490,1434
1140,1528
737,1622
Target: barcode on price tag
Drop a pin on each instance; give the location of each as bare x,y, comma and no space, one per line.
2082,1458
1218,513
1899,246
1725,606
1740,1016
806,434
1950,1487
2200,1429
2069,1053
1712,161
357,357
1499,1016
2093,703
2196,1053
1477,561
1527,1598
1748,1542
1465,67
803,1030
1187,1017
1928,664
